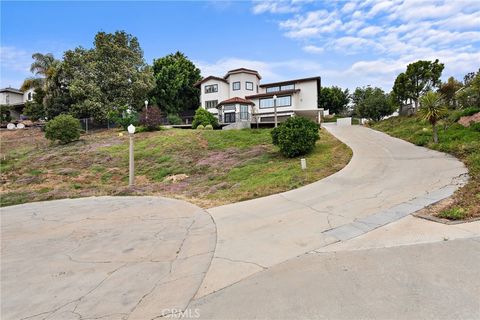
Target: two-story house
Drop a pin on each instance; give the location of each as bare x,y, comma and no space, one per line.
239,98
15,100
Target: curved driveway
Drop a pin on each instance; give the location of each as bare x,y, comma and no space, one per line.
386,180
103,258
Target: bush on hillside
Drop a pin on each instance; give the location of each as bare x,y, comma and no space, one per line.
123,116
151,118
174,119
203,117
200,127
296,136
208,127
63,128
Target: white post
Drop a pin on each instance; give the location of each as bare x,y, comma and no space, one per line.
275,109
131,178
303,163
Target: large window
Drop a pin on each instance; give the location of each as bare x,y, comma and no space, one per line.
284,101
243,112
211,88
249,85
211,104
236,85
280,88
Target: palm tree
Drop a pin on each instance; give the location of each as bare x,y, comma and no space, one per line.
43,64
32,82
432,110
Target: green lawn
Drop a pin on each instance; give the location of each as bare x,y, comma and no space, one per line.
208,167
455,139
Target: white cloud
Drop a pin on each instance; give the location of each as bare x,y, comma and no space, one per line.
370,31
12,58
391,33
275,7
313,49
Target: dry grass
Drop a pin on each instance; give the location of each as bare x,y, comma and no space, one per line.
216,167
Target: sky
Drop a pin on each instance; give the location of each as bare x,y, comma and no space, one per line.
347,43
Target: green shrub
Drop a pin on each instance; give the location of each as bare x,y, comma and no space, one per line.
123,116
470,111
475,126
203,117
296,136
63,128
208,127
200,127
174,119
453,214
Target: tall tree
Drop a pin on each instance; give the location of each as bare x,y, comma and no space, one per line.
111,74
448,90
469,95
401,92
175,76
43,64
372,103
334,98
432,110
422,76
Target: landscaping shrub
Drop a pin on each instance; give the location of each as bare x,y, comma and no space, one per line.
151,118
174,119
123,116
475,126
470,111
296,136
63,128
200,127
208,127
203,117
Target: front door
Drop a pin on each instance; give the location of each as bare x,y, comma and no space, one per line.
230,117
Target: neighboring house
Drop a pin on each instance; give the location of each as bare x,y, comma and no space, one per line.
15,99
240,98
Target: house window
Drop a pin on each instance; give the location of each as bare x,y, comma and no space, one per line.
284,101
7,98
249,85
236,85
272,89
29,96
243,112
211,88
211,104
280,88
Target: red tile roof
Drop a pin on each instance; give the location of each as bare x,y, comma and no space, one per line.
236,100
243,70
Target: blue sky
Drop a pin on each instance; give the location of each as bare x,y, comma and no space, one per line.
347,43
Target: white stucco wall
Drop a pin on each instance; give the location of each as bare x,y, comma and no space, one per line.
220,95
13,98
25,95
242,78
307,98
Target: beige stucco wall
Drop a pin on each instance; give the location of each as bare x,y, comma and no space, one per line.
307,98
221,95
242,78
14,98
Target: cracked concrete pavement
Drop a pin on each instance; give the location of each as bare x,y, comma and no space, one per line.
431,280
386,180
105,257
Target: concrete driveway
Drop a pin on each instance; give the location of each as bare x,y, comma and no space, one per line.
103,258
387,179
147,257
